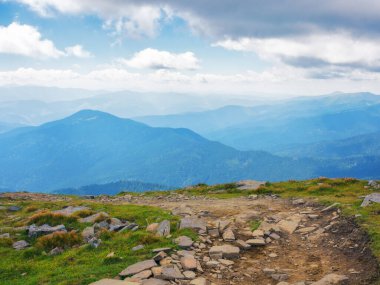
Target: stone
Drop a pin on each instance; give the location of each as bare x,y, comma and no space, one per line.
115,222
188,262
256,242
371,198
154,281
224,252
56,251
35,231
164,249
332,279
193,223
190,275
214,232
200,281
107,281
223,225
88,233
138,267
330,208
160,256
21,244
242,244
228,235
184,242
306,230
6,235
289,225
145,274
95,242
163,228
14,208
280,276
152,227
182,210
226,262
298,202
258,233
137,247
94,218
249,184
68,211
171,272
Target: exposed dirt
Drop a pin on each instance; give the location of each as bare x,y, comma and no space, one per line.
343,248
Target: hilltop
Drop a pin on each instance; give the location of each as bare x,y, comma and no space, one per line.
295,232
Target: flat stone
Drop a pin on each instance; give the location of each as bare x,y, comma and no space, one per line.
107,281
256,242
14,208
21,244
332,279
289,225
306,230
242,244
138,267
224,251
184,242
165,249
258,233
137,247
193,223
188,262
226,262
160,256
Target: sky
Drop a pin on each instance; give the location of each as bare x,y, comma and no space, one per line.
299,47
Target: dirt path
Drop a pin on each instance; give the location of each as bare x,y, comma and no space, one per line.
329,244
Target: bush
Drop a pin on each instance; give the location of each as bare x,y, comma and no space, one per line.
51,219
6,242
31,252
59,239
30,209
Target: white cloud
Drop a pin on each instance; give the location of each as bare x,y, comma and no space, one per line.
122,17
157,59
77,51
340,49
27,41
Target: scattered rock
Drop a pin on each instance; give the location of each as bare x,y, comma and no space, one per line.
138,267
200,281
152,227
21,244
14,208
184,242
114,282
192,223
94,218
137,247
332,279
228,235
68,211
256,242
56,251
188,262
171,272
371,198
88,233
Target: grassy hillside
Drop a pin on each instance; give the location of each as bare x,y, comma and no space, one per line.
80,264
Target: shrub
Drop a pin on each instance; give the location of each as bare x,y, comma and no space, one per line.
31,252
6,242
83,214
30,209
59,239
51,219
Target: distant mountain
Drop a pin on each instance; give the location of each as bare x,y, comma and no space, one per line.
32,105
113,188
367,145
5,127
92,147
276,126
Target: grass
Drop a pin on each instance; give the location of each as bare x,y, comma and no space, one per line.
79,264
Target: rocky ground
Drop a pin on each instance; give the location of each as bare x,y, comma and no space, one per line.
259,239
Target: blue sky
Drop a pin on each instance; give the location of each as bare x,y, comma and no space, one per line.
245,47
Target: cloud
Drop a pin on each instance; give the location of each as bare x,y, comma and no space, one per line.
27,41
316,50
77,51
125,18
157,59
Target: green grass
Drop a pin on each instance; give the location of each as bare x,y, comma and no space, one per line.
83,264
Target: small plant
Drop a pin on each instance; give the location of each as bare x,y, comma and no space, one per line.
82,214
51,219
254,225
30,209
58,239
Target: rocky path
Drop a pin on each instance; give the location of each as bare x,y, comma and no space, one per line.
297,242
